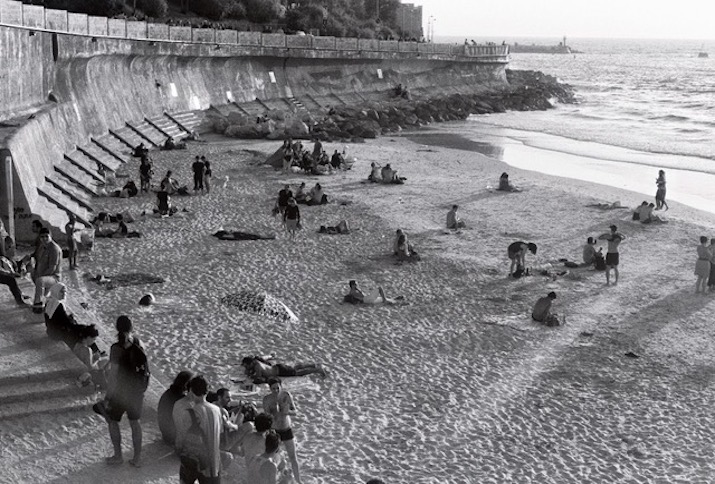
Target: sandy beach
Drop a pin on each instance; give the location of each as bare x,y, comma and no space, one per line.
457,386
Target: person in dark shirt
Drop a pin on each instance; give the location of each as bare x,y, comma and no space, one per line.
145,174
291,217
165,410
207,174
517,253
283,197
199,169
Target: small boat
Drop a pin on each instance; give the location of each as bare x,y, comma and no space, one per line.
703,55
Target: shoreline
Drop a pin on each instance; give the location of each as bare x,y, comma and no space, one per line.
459,385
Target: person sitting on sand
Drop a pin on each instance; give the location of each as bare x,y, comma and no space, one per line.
254,443
163,202
517,253
388,175
454,222
375,175
336,160
165,409
260,370
300,195
647,216
169,184
377,296
401,246
542,311
140,151
316,196
269,467
638,212
589,252
10,273
505,185
169,144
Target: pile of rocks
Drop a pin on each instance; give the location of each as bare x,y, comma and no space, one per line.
527,91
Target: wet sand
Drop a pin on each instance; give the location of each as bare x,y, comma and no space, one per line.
457,386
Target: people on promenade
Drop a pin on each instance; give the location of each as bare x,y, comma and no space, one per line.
614,239
70,229
198,168
660,192
517,254
702,265
10,273
48,267
198,435
261,370
128,379
165,409
279,405
291,218
542,310
454,222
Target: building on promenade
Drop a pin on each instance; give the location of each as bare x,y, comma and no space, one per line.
409,19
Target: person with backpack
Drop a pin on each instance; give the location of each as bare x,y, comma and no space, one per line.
128,379
198,435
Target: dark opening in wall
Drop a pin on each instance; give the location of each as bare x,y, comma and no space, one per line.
55,47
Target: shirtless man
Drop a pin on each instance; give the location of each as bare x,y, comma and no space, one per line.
261,370
279,405
614,240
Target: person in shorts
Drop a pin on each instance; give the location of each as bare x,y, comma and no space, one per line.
125,392
614,239
279,405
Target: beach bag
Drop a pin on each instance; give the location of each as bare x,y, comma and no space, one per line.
599,262
195,446
139,365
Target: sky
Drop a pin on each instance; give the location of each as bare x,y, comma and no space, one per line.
657,19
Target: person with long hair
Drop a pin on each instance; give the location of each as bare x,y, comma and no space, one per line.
660,193
702,265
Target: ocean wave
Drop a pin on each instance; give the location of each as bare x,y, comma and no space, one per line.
670,117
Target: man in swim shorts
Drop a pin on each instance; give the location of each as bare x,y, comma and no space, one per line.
279,405
614,239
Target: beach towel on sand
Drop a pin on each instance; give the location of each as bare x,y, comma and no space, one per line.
259,302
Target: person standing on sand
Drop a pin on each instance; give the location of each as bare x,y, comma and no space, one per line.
279,405
660,193
127,381
207,174
702,266
517,253
71,244
291,218
198,168
711,278
614,240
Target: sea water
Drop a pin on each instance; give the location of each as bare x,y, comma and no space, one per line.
640,102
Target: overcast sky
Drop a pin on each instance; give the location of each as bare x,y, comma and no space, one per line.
659,19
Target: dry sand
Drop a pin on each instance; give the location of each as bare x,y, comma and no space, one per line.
458,386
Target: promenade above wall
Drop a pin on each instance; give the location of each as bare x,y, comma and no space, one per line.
16,14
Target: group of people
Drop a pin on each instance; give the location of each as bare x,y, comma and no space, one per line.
209,430
286,205
384,174
317,162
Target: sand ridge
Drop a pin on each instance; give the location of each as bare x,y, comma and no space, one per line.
459,385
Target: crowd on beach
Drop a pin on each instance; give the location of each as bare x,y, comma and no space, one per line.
298,159
208,430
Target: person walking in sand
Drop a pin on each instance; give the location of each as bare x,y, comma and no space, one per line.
291,218
128,379
702,266
614,239
279,405
660,192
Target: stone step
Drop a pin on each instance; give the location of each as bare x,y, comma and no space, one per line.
77,176
65,203
150,135
253,108
113,149
34,390
109,158
278,104
169,128
51,214
128,137
308,103
186,121
81,400
157,129
70,190
81,163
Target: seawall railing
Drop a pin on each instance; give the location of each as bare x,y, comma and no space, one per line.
16,14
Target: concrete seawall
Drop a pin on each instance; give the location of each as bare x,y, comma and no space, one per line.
78,87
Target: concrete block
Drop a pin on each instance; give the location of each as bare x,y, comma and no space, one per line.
10,12
157,31
407,46
368,44
203,35
180,33
324,43
97,25
389,46
33,16
116,27
249,38
425,47
273,40
299,41
77,23
346,44
442,48
56,20
227,37
136,30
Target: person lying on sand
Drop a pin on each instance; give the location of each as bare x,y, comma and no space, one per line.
607,206
260,370
238,235
357,296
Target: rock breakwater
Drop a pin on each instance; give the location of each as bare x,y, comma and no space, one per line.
526,91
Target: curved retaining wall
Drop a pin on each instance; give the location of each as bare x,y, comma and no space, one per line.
100,83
